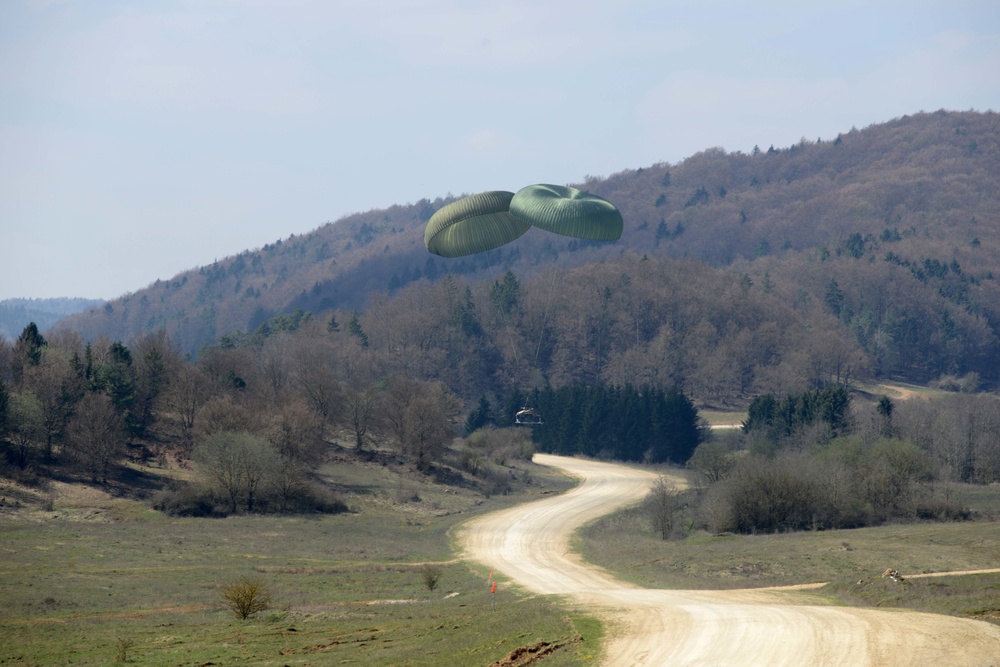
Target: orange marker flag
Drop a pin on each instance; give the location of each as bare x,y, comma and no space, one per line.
493,588
491,576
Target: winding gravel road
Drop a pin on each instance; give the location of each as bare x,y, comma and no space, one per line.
530,544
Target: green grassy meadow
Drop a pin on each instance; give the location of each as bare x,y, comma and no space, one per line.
79,587
850,562
88,579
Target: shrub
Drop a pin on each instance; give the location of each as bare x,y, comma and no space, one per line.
247,596
431,574
495,481
122,646
184,499
661,505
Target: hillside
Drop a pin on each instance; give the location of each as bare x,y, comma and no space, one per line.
883,239
15,314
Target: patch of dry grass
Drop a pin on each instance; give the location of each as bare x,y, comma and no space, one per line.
77,587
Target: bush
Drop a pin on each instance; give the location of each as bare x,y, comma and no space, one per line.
846,484
247,596
431,574
122,647
495,481
183,499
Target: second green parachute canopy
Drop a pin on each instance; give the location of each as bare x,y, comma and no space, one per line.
568,211
488,220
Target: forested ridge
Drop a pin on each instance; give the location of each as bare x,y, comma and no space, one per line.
871,253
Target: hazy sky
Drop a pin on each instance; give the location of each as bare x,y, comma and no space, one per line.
142,139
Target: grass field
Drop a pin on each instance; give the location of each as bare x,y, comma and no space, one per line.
91,581
851,562
88,578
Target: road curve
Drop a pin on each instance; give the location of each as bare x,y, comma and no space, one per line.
530,545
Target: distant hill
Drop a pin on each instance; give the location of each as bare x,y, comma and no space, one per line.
15,314
893,231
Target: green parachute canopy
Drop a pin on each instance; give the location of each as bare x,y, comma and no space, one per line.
568,211
473,224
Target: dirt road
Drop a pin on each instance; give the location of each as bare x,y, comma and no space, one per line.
652,628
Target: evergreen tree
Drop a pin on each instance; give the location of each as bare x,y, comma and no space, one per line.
354,327
516,400
151,381
116,378
464,316
481,417
505,295
834,298
30,344
624,423
28,351
4,403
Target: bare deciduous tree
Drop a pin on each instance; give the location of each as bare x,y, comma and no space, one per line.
97,435
314,377
237,463
223,413
661,505
296,431
361,411
57,388
189,389
25,425
418,416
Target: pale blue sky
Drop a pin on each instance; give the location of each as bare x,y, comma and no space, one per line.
142,139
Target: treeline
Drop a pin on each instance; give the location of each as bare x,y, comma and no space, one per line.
815,461
254,418
770,418
627,423
642,424
85,402
255,415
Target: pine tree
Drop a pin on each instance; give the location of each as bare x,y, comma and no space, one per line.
354,327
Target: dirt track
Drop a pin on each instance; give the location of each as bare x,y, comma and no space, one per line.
530,544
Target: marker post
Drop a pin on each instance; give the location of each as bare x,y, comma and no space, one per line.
493,591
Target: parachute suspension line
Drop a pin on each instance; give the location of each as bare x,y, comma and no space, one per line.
503,315
485,221
545,313
525,416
